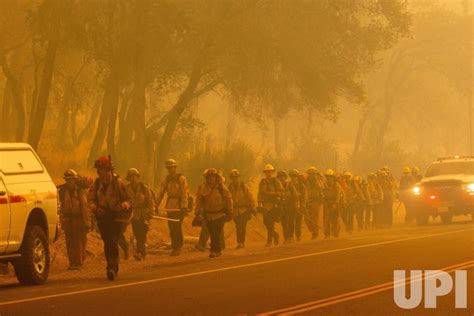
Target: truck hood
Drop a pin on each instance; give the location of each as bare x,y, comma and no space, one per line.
464,178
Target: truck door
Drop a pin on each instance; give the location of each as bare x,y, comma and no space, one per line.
4,217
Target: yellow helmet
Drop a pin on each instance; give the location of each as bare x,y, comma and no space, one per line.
312,170
234,173
212,172
268,167
357,178
348,174
132,172
330,173
294,173
171,163
71,174
407,170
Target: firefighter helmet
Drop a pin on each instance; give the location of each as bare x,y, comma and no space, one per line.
235,173
170,163
294,173
268,167
211,172
132,172
348,174
103,163
329,173
71,174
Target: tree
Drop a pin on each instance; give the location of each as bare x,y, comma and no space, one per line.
281,55
431,49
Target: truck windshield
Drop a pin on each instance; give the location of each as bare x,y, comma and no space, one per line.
457,167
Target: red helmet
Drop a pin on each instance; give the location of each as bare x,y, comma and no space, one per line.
103,163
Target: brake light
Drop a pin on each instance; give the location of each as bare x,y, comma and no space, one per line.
432,197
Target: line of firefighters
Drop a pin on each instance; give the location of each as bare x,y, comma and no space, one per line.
322,201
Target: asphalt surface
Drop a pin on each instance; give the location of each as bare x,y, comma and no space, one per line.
326,277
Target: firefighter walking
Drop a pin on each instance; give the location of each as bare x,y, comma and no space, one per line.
332,203
175,186
269,195
75,218
244,206
214,205
143,206
109,201
314,187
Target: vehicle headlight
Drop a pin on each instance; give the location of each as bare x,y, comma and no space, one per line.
416,190
470,188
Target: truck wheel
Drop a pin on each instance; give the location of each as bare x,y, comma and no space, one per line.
422,220
32,268
446,218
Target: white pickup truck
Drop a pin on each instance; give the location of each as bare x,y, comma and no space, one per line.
28,213
446,191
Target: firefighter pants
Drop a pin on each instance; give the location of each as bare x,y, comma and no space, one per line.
241,226
312,219
140,230
204,236
269,219
76,239
331,220
216,230
110,231
176,230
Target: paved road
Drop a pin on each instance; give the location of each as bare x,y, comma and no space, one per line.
348,276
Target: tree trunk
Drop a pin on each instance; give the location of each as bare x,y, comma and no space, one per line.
38,117
360,134
113,108
88,130
15,90
164,145
230,127
103,124
6,111
62,137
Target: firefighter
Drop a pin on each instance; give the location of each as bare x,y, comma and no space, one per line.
111,205
360,201
367,207
244,206
373,216
289,203
75,218
204,232
416,174
175,186
270,191
348,211
407,182
294,227
143,206
215,202
388,189
333,196
315,188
